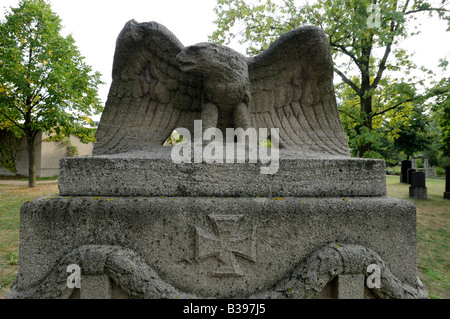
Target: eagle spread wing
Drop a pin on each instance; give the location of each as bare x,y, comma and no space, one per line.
150,96
292,90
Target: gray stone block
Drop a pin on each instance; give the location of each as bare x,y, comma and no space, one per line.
155,174
351,286
96,287
216,247
418,192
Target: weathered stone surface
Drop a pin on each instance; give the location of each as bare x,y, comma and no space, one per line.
351,286
212,247
155,174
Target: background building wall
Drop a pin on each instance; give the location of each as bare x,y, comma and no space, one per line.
48,154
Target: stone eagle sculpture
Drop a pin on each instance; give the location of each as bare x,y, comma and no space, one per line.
159,85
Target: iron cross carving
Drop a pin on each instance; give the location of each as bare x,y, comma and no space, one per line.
225,245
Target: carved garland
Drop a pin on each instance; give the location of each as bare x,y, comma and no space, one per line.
138,280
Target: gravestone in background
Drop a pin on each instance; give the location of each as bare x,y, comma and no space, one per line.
418,187
133,223
411,171
405,165
429,171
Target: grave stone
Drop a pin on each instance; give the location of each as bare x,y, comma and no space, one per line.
429,171
409,175
418,188
405,165
140,224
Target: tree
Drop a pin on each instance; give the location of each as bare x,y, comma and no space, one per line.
412,135
441,108
45,86
397,127
364,37
9,144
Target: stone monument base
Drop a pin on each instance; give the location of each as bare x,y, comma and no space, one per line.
217,247
418,192
155,174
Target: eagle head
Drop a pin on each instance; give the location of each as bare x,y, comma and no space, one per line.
212,60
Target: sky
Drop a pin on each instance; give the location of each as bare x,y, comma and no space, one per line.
95,25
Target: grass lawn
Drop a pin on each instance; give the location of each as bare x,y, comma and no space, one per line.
433,234
11,199
433,231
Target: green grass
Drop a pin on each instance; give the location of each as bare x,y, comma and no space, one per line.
11,199
20,178
433,231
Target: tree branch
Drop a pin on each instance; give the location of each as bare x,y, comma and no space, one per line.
347,81
397,105
13,121
350,116
427,9
346,52
387,51
382,66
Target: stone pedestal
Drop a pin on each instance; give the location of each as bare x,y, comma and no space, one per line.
138,225
418,192
281,242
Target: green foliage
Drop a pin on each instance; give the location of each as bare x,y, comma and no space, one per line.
396,125
45,85
441,107
267,143
9,144
256,24
175,138
412,133
363,50
13,258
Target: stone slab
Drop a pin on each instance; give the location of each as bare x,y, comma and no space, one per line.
263,239
155,174
96,287
351,286
418,192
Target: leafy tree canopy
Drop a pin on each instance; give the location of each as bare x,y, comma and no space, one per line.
365,39
45,85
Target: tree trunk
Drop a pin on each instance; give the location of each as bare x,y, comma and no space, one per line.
31,160
366,116
365,112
